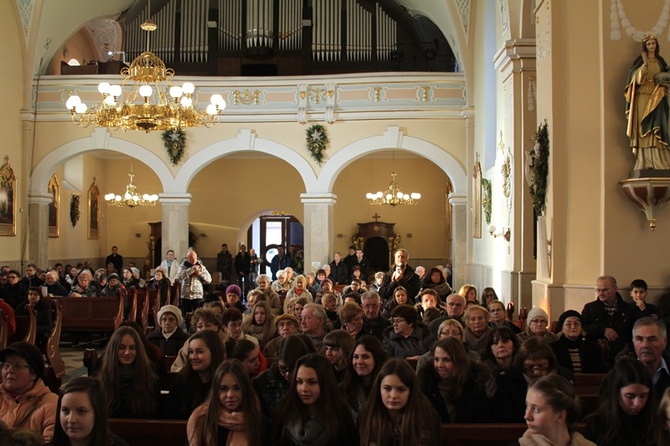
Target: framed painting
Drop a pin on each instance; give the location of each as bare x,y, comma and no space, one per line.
54,207
477,200
7,199
93,211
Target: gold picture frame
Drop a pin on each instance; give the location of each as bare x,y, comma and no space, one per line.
93,211
7,199
54,207
477,200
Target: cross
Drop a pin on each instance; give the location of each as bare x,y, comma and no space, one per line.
376,217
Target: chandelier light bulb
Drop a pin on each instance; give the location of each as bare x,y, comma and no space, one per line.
109,100
212,109
81,108
186,101
415,196
72,102
188,88
115,90
146,91
103,87
175,91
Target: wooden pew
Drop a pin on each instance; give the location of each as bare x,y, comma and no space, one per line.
26,328
56,368
149,432
4,327
587,388
87,314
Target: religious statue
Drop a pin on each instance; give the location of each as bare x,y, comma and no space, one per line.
647,108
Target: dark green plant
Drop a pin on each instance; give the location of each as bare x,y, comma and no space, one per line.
487,199
539,169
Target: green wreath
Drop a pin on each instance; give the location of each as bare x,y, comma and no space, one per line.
175,143
317,140
74,210
486,199
539,168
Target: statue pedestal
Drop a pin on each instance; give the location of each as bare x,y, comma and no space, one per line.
648,193
650,173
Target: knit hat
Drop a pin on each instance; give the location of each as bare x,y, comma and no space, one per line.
326,280
233,289
113,276
567,314
27,351
287,317
173,310
537,312
135,271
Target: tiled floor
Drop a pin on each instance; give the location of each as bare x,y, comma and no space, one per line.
73,358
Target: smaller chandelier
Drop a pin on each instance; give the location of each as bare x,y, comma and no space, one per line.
393,195
131,197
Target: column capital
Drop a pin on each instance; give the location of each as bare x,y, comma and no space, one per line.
458,200
40,198
318,198
174,198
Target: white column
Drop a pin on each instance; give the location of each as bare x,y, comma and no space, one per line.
38,228
318,224
459,237
175,216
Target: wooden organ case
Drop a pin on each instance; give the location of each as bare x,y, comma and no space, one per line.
283,37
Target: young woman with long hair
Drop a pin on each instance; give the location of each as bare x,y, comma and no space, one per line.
337,347
260,323
82,412
248,353
626,415
551,412
663,418
365,362
274,383
397,412
231,415
313,411
131,386
455,385
205,353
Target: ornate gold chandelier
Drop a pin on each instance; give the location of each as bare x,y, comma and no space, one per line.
131,197
393,195
151,101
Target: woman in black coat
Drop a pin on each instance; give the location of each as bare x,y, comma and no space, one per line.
572,338
455,386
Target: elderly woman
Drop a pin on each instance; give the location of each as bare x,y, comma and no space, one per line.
573,350
281,285
299,289
351,318
499,316
83,288
477,318
263,282
286,325
161,283
327,288
538,321
169,336
406,338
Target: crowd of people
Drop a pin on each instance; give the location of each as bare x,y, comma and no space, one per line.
383,364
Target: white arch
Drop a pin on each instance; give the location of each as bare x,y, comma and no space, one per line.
246,140
100,139
392,138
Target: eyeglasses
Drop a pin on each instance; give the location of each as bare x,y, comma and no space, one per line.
283,369
531,368
572,324
16,367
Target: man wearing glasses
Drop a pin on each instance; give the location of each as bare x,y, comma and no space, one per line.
608,319
373,322
25,401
